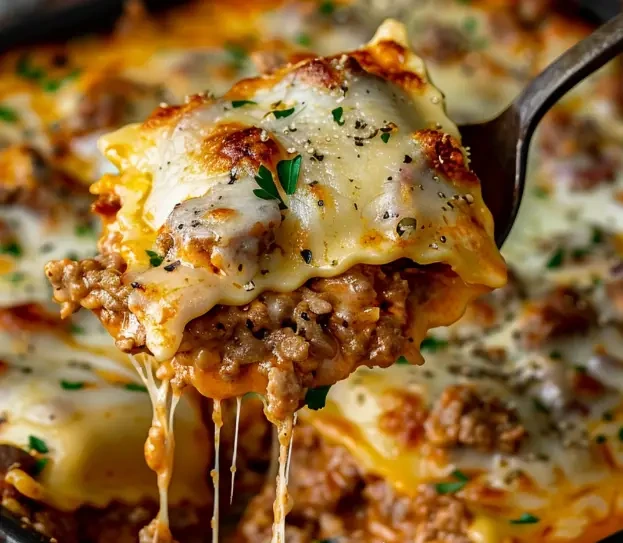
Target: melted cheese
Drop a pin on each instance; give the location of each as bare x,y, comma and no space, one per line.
76,400
357,199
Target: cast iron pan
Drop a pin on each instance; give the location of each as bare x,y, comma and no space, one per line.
62,19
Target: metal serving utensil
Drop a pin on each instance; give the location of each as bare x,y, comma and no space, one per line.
499,148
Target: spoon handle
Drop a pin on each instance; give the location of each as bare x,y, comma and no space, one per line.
566,72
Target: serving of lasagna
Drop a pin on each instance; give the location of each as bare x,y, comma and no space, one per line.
285,228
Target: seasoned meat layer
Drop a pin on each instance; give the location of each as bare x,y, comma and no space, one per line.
332,498
323,328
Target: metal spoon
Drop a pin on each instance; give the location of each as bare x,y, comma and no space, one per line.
499,148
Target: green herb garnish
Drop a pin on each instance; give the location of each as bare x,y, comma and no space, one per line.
72,385
135,387
16,277
12,248
27,70
76,330
402,360
337,115
288,172
240,103
540,192
525,518
539,406
268,190
303,39
315,398
452,487
621,433
326,7
36,444
7,114
40,465
556,259
470,24
385,136
600,439
598,235
432,344
237,53
282,113
154,258
83,230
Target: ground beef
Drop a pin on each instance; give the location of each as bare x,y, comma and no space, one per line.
561,312
332,498
578,151
319,332
463,417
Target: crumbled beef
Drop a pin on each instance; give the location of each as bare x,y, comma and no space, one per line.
580,153
403,416
463,417
332,498
561,312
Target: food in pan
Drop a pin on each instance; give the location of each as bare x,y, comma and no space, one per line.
510,431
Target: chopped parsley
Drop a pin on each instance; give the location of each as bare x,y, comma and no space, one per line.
27,70
385,136
154,258
453,486
598,235
16,277
282,113
237,54
77,330
40,465
621,433
540,193
303,39
470,24
402,360
12,248
326,7
288,173
315,398
337,115
556,259
555,355
240,103
525,518
135,387
539,406
432,344
37,444
84,230
600,439
71,385
7,114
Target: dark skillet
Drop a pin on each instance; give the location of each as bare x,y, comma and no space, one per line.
62,19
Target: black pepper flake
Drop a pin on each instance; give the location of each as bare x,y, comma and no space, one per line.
304,316
180,226
443,239
356,207
249,324
318,157
195,223
220,326
313,183
239,267
408,159
263,272
320,203
172,266
307,256
386,215
136,284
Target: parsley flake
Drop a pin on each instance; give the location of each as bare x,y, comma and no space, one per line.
326,7
288,172
556,260
303,39
470,24
84,230
600,439
540,193
71,385
453,486
315,398
77,330
432,344
37,444
385,136
7,114
240,103
337,115
598,235
27,70
12,248
525,518
40,465
268,190
282,113
135,387
621,433
154,258
237,54
402,360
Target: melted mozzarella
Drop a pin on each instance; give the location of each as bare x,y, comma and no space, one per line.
77,400
367,190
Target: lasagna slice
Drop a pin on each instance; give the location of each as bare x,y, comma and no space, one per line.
306,223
